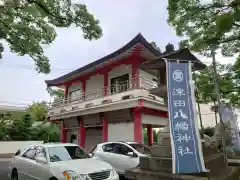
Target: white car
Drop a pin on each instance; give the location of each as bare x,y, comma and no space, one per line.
58,162
121,155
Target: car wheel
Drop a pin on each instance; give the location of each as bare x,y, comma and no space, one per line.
14,175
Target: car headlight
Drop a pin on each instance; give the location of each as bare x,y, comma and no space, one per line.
113,172
71,175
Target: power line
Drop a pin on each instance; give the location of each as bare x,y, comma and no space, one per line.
28,67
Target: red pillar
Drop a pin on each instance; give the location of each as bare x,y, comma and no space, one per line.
63,133
150,134
104,128
136,67
82,134
137,120
66,92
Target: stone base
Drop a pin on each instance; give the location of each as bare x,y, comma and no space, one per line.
161,151
162,164
229,173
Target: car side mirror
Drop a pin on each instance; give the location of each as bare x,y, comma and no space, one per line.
41,160
131,154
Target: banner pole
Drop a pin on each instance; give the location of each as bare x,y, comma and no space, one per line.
217,90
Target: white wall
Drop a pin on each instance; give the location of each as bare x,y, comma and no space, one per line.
147,75
121,132
8,148
154,120
95,85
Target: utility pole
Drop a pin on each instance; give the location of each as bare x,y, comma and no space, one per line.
217,90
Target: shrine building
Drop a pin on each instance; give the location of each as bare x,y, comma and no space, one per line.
116,96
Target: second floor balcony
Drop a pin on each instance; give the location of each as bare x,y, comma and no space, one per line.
121,91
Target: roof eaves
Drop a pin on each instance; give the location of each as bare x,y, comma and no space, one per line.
138,39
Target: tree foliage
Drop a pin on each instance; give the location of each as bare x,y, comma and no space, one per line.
229,89
56,94
27,25
145,136
38,110
30,127
206,23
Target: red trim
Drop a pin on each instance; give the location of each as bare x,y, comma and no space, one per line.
66,91
134,58
154,112
106,83
104,128
82,134
137,121
63,133
150,134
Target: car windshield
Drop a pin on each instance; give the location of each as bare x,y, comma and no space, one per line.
66,153
141,148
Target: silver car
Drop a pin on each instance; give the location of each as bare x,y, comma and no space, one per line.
58,162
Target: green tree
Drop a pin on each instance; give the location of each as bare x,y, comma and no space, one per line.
56,94
3,130
38,110
145,136
45,131
206,89
21,129
207,23
30,24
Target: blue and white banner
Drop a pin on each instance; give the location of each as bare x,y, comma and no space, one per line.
185,138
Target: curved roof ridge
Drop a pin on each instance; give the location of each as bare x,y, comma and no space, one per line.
137,39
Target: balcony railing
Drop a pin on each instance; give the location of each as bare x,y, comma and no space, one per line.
110,90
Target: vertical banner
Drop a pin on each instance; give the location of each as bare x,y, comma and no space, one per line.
185,138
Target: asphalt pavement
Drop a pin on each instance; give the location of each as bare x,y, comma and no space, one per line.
4,169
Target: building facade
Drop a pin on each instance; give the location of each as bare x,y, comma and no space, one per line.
115,97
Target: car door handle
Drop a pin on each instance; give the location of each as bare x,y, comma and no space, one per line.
30,165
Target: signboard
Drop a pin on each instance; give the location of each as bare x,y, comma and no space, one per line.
185,138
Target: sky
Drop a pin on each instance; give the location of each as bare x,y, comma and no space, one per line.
121,21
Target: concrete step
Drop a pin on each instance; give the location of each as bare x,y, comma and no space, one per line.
160,164
215,164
